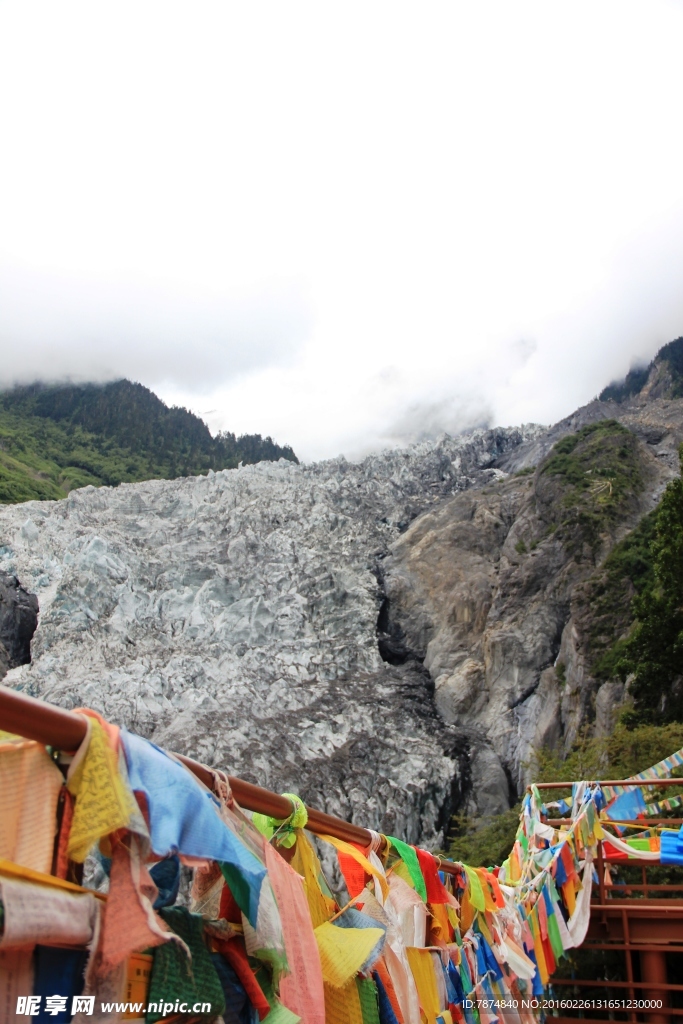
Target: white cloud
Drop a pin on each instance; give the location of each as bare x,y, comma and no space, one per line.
87,329
342,226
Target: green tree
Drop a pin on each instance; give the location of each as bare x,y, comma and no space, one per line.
54,438
653,651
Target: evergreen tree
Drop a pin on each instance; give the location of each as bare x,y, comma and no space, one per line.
653,653
54,438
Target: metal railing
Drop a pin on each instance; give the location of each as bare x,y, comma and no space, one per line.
627,918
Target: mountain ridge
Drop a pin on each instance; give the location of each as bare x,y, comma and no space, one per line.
54,438
661,378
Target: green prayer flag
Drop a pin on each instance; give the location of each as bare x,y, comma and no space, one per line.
639,844
476,893
555,939
369,1001
279,1014
174,978
553,927
409,858
238,886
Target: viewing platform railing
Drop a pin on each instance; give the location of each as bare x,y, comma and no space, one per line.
627,919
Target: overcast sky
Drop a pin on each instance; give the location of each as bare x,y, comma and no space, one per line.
345,225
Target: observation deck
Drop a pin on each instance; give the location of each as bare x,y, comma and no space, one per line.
633,950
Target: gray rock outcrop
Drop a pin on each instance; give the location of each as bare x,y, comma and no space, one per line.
487,594
18,621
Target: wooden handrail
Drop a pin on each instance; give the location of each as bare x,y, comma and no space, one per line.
64,730
38,720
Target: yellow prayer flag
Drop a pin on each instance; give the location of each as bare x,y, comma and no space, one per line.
343,951
467,912
515,867
483,926
400,868
489,902
538,947
306,863
422,967
569,894
598,831
342,1005
103,802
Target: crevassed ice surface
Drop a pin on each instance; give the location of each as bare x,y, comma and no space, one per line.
233,617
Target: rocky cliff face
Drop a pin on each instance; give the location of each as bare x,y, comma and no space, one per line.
233,617
18,621
493,591
484,592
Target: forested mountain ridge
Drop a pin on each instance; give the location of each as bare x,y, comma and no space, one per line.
54,438
663,378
